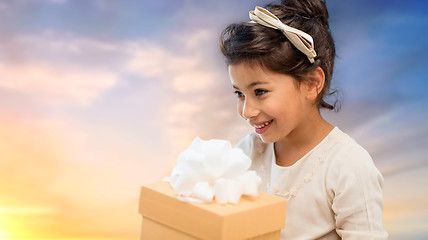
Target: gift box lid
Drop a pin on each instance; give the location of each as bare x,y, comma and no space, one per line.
251,217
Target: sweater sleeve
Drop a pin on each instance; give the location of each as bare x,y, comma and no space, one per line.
355,187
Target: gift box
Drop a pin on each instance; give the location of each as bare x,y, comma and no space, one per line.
166,217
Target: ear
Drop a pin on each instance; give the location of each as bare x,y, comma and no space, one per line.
315,83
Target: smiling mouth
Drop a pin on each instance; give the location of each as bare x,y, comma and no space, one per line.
263,125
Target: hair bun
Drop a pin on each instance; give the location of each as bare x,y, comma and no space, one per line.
311,9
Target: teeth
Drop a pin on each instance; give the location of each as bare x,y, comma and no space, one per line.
263,125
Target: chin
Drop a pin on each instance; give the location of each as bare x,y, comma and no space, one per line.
267,139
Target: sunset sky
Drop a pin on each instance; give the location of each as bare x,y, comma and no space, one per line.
98,97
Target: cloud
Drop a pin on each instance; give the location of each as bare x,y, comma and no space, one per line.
183,72
192,81
406,203
59,68
54,84
53,185
85,169
395,137
30,157
192,89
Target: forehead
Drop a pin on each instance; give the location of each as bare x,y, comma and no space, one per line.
245,75
247,72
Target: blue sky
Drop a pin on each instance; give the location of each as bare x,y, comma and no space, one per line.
98,97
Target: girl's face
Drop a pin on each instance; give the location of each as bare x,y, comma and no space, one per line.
271,102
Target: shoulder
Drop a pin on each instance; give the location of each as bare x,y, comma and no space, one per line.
347,152
348,159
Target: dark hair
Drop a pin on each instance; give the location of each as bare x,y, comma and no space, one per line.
269,48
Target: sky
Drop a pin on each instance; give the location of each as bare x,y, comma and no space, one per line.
98,97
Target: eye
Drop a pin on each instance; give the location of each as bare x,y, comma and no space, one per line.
239,94
260,92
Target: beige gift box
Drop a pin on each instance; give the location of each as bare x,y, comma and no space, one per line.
165,217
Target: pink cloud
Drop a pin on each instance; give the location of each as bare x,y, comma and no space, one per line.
55,84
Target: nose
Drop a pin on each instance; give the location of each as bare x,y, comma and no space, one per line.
249,109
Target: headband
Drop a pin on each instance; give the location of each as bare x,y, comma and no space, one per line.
299,39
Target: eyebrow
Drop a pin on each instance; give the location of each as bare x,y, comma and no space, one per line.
253,84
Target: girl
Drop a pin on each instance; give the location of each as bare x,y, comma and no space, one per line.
280,65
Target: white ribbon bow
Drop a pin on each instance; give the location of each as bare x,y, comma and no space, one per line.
213,168
299,39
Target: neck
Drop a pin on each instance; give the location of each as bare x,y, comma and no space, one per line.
302,139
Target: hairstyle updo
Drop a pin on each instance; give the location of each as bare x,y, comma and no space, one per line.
269,48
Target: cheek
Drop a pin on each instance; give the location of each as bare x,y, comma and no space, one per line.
240,106
273,108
